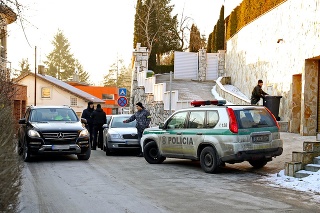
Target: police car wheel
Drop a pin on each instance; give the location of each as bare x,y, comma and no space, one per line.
151,153
257,164
209,160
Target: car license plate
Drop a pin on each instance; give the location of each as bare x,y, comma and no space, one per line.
59,147
260,138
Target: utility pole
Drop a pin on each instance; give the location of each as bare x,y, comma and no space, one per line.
35,76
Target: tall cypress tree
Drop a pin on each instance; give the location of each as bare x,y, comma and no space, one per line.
195,39
220,31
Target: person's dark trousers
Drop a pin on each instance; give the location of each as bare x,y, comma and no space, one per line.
100,137
90,129
96,131
139,139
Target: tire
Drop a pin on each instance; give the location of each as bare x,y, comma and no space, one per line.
86,155
209,160
151,153
26,155
20,148
108,151
257,164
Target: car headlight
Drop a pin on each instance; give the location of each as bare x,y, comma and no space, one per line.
84,133
33,133
115,136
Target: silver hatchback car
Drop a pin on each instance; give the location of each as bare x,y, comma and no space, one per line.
118,135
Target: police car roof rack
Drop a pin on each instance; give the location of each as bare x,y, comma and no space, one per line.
208,102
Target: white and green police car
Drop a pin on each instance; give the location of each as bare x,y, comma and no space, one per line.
215,135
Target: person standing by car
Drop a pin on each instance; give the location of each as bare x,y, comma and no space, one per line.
87,114
143,118
99,118
257,93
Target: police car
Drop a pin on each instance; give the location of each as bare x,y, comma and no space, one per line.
215,135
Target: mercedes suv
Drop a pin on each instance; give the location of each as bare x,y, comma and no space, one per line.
52,130
215,135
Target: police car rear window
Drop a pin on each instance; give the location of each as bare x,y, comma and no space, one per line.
254,118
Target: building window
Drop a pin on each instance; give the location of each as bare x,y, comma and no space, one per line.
45,92
73,101
107,96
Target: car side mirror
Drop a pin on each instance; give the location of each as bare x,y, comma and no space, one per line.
105,126
22,121
161,125
83,120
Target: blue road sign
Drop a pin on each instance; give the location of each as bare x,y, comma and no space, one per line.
122,101
122,92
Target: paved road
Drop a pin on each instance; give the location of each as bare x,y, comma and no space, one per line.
123,183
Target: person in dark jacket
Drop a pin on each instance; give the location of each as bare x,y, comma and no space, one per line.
257,93
143,118
87,114
99,118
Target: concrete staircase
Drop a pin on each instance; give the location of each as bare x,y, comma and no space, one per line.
306,162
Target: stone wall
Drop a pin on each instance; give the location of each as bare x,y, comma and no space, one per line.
275,48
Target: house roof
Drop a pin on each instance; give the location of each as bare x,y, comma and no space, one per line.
64,86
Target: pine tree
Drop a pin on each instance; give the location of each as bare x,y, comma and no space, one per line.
60,62
119,76
83,75
24,66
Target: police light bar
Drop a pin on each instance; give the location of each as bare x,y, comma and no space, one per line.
203,103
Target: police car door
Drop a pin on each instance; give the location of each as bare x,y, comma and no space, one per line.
192,136
171,138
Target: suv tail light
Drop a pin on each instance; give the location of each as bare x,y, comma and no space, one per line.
274,118
233,125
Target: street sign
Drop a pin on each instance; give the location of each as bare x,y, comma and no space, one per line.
122,92
122,101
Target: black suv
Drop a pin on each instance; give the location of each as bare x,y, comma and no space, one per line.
52,130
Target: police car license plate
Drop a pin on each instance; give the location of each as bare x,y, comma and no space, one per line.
59,147
260,138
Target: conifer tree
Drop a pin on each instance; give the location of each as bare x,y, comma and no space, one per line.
24,66
83,75
195,39
155,28
220,37
60,62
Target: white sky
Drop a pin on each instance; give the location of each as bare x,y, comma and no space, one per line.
97,30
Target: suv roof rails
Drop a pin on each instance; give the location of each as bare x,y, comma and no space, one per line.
208,102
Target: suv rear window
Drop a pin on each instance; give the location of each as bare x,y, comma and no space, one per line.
254,118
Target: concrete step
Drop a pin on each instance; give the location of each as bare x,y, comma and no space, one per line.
311,146
304,157
302,174
316,160
312,167
291,168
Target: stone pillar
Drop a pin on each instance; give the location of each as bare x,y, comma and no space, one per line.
140,56
308,98
221,62
202,72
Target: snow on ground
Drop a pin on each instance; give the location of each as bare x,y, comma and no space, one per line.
310,184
